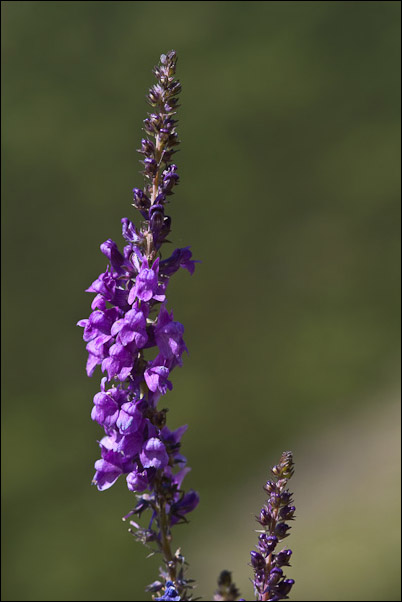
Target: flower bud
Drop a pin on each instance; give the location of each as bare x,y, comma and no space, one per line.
257,560
141,201
283,558
281,530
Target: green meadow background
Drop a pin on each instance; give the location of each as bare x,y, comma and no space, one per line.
289,195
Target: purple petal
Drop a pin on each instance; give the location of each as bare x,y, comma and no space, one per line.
106,474
154,454
137,481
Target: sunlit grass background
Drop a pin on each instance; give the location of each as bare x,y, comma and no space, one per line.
289,195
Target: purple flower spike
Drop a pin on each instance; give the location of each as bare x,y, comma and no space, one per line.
128,326
269,580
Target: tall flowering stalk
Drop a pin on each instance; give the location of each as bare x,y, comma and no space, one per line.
269,580
137,343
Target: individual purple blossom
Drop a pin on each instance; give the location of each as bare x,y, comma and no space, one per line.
156,375
171,594
120,361
132,328
154,454
130,419
146,285
106,474
185,504
110,249
113,463
169,335
98,351
107,405
136,480
180,258
109,286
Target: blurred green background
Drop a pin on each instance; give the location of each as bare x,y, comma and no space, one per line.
289,195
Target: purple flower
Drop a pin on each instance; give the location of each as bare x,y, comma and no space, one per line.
170,178
169,335
125,322
171,594
107,405
129,446
137,481
107,285
187,503
154,454
156,376
130,233
141,201
146,283
110,466
109,248
172,441
132,328
269,580
106,474
120,361
97,331
131,418
98,350
180,258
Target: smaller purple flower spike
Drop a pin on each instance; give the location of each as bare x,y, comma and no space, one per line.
269,581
